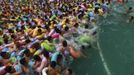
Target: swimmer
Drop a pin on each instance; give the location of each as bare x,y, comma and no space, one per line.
40,63
5,57
75,54
8,70
68,71
105,7
91,15
45,38
129,10
130,19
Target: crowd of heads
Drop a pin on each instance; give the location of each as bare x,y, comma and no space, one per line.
44,37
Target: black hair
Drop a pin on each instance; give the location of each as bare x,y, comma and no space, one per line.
45,53
59,56
80,16
10,31
27,40
23,61
69,12
57,30
45,17
97,4
86,26
36,45
6,40
9,69
47,27
13,36
54,22
27,52
17,29
53,64
82,47
67,20
33,27
49,38
39,26
70,70
130,8
107,3
64,43
66,28
96,10
49,23
22,27
76,25
13,17
4,54
24,16
132,17
27,21
39,30
36,58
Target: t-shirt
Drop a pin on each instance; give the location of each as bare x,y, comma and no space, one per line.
54,56
47,45
44,61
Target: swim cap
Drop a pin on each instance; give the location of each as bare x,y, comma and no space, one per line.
54,56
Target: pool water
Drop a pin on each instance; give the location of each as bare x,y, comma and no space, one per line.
116,41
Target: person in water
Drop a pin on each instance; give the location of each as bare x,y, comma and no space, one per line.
130,19
29,30
68,71
129,10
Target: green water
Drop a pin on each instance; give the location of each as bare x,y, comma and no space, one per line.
117,43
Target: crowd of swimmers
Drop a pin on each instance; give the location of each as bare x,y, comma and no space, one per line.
44,37
128,11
